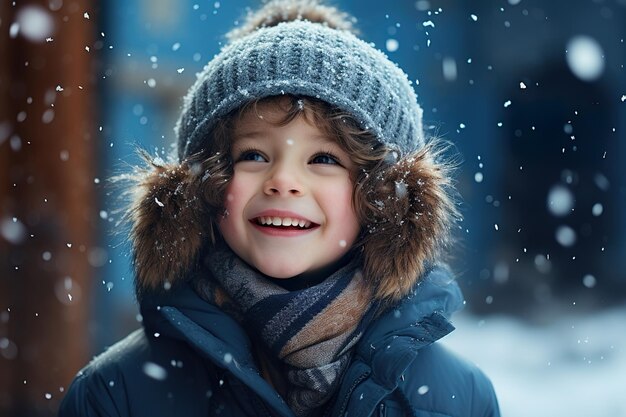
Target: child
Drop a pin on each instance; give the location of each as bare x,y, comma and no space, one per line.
287,264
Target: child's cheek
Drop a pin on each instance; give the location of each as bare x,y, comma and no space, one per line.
337,201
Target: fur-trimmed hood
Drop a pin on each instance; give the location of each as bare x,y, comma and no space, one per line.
410,218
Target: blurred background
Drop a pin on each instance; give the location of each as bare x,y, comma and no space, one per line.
531,93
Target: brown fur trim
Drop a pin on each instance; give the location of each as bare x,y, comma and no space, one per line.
410,215
277,11
170,222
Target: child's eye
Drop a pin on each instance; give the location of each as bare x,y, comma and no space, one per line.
251,155
325,158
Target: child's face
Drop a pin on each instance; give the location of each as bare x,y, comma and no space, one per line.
289,203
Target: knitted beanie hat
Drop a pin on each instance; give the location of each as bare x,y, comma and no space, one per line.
300,57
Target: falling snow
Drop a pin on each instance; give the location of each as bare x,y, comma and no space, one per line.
449,69
566,236
392,45
585,58
12,230
597,209
34,23
560,201
589,281
154,371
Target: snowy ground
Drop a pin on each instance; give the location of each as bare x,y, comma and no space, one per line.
573,367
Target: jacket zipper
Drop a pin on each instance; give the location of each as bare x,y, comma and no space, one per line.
356,382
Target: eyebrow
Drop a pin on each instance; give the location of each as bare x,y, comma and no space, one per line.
250,134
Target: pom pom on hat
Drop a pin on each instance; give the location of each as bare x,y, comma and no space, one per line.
278,11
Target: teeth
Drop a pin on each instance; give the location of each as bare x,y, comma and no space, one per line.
286,221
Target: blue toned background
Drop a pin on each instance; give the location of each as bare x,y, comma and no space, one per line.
531,93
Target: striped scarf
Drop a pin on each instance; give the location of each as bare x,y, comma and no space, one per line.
310,332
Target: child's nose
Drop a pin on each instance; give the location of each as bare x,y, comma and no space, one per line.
283,182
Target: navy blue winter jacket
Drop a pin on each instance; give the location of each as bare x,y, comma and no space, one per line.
191,359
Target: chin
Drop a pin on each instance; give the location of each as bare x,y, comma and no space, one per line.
280,273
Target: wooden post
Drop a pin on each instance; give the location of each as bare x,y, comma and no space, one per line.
47,199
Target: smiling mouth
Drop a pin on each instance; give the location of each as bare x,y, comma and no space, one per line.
284,223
